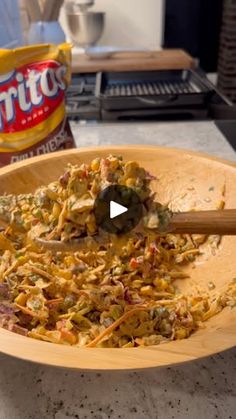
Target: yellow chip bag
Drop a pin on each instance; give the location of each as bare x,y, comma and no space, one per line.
33,81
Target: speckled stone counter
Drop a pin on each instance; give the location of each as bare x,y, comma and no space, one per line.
203,389
198,136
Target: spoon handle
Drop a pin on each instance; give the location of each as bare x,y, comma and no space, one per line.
222,222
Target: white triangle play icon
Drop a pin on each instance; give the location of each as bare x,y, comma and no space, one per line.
116,209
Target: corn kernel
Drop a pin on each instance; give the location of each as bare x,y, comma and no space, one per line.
63,274
51,194
25,207
130,167
137,283
220,204
131,181
95,165
146,290
21,260
160,284
181,333
21,299
69,261
114,163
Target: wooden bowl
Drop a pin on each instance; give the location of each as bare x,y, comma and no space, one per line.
177,171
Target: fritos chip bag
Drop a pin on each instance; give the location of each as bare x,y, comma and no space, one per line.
33,81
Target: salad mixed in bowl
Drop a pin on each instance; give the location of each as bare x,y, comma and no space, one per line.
120,293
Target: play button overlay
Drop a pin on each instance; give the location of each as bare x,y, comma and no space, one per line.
118,209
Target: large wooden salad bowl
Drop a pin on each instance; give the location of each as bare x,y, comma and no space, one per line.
174,170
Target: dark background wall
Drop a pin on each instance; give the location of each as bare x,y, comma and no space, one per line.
194,25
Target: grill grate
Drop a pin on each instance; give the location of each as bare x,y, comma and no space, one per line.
150,88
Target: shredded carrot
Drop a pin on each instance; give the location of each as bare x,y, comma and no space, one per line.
223,189
31,313
8,230
61,218
55,301
59,227
68,336
114,325
11,269
163,294
51,235
34,255
165,302
41,272
80,292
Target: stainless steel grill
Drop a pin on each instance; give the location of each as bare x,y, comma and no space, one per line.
150,88
147,95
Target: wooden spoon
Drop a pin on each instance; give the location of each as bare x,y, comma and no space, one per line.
222,222
216,222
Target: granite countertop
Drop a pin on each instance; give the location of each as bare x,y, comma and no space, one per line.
199,389
199,136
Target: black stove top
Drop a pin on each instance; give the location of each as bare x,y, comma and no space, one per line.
83,104
156,95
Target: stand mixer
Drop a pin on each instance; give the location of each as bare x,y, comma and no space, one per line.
85,26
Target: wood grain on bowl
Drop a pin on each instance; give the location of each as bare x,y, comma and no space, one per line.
184,179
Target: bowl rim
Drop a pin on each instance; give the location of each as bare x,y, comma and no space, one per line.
135,147
72,357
